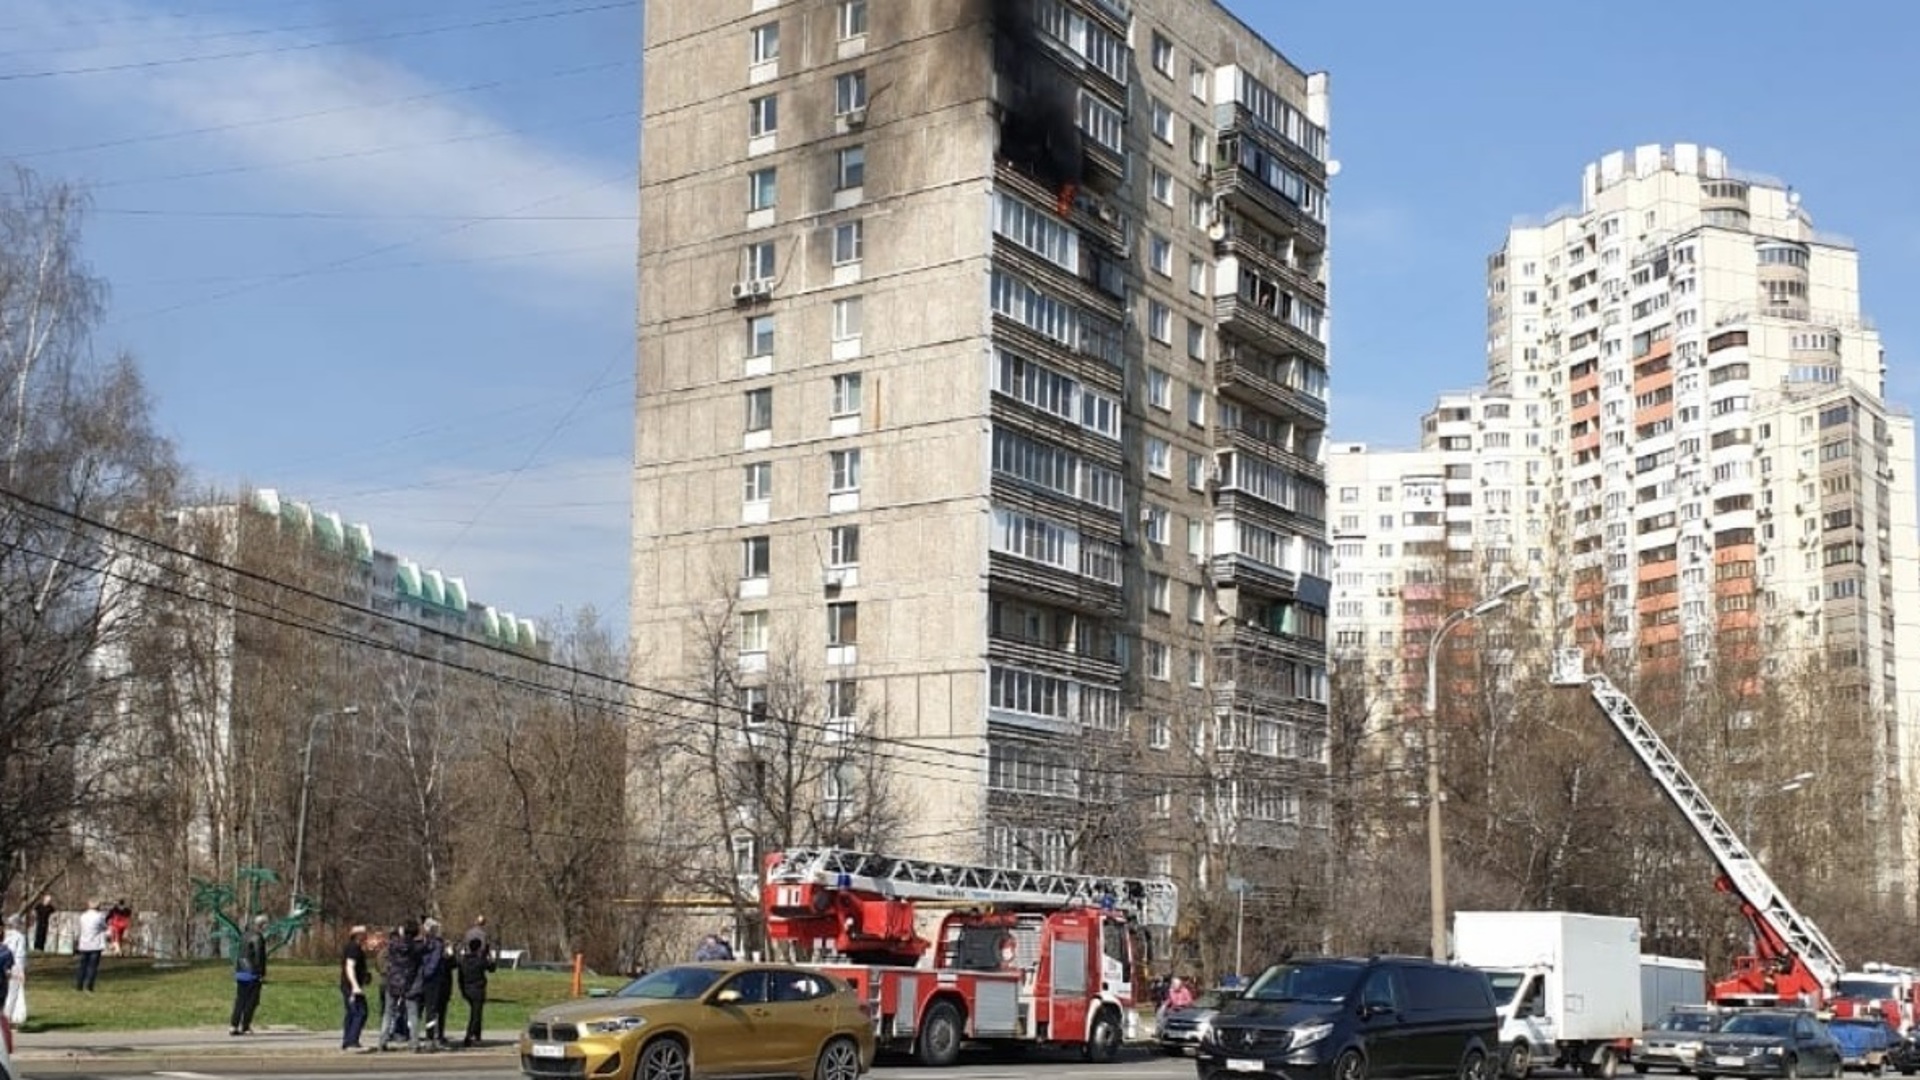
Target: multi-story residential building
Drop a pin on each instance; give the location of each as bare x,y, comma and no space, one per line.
1722,479
982,363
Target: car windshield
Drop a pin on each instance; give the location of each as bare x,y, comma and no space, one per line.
671,984
1866,988
1759,1024
1210,999
1322,983
1505,984
1688,1021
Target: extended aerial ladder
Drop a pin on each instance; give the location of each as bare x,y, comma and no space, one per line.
862,905
1793,960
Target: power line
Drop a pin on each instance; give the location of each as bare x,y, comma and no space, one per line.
289,118
395,35
342,215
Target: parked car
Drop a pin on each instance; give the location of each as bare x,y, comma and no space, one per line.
1179,1030
1348,1019
1674,1042
1864,1041
701,1020
1904,1055
1788,1043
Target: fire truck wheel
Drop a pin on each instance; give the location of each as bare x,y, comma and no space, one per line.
840,1060
939,1042
1103,1042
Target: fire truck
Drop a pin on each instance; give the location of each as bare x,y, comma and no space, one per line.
1792,961
1020,957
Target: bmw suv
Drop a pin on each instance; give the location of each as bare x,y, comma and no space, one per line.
1354,1018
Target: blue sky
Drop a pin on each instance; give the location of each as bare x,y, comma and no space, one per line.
382,258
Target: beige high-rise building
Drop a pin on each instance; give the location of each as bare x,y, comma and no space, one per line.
982,370
1701,400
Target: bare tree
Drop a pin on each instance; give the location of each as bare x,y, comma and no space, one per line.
79,450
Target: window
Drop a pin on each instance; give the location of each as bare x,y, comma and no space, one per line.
845,468
1159,389
760,335
1196,471
850,167
753,633
853,19
1159,732
1159,322
763,115
843,698
1159,525
843,545
1159,457
1197,146
846,394
760,409
1196,668
763,189
759,481
849,241
1162,186
1159,253
1159,593
1196,275
849,92
1163,56
764,43
1158,661
1162,118
1196,340
1197,81
843,623
760,261
1196,604
755,556
847,318
1196,406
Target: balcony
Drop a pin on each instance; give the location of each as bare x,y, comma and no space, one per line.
1234,120
1266,206
1054,585
1246,638
1243,373
1247,442
1049,656
1233,570
1274,264
1240,315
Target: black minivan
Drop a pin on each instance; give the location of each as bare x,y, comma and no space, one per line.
1384,1018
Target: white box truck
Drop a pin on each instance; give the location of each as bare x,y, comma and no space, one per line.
1568,985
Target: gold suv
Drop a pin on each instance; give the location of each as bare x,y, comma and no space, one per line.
701,1020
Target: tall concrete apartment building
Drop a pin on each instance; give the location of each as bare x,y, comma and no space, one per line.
983,366
1700,400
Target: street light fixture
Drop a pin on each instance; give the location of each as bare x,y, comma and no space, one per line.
306,787
1436,859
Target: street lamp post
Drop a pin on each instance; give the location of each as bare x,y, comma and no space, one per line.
1436,856
306,788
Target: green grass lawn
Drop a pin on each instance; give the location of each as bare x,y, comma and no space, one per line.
137,994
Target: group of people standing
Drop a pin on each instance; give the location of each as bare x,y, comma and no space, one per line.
418,969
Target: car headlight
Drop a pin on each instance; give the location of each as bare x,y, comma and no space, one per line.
616,1025
1308,1034
1687,1047
1770,1051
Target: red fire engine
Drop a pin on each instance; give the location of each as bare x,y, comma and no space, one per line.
1023,957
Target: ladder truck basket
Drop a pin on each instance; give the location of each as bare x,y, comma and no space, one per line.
1153,902
1569,667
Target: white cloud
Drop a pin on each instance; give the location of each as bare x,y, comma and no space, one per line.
459,161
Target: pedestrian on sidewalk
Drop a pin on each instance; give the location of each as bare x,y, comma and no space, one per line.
87,947
435,984
402,963
43,910
353,988
13,944
249,972
474,965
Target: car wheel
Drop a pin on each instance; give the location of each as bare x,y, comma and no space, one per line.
939,1043
1103,1042
1474,1066
1606,1068
662,1059
1350,1066
1790,1069
1519,1061
839,1060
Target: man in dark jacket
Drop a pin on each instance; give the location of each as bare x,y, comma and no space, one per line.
434,984
402,966
249,971
475,962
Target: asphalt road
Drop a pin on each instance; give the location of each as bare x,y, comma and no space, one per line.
1130,1068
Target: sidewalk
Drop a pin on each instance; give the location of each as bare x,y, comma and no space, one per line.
185,1044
